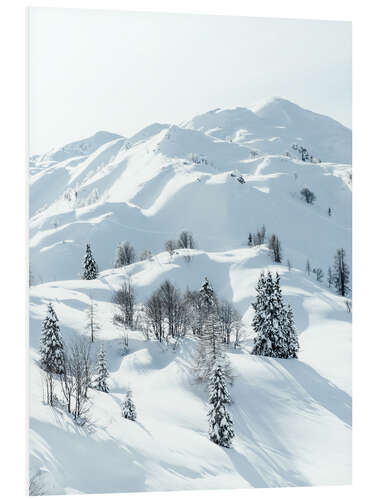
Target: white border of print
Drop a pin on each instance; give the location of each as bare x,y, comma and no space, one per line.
14,232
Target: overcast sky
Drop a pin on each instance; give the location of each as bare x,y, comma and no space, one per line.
120,71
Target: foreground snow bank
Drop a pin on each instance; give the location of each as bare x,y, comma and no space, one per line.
292,418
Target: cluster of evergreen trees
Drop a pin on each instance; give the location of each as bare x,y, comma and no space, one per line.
125,255
212,366
257,238
72,366
305,155
171,315
338,275
274,243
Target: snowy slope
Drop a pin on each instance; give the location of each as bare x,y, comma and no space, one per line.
275,125
148,188
292,418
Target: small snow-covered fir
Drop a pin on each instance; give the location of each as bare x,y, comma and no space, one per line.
100,381
128,407
220,422
51,345
90,268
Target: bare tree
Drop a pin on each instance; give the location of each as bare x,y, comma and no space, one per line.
259,237
329,277
319,274
125,254
186,240
228,316
238,337
67,382
195,311
92,325
124,300
154,311
80,371
171,246
171,301
146,255
288,263
48,388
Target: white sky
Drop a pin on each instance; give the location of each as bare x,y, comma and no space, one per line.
118,71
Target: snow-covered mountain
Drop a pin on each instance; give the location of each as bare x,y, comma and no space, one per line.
148,188
275,125
220,175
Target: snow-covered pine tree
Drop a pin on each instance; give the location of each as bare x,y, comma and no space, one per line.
220,423
100,382
51,346
207,296
291,335
262,322
90,268
273,324
119,256
308,267
128,407
341,273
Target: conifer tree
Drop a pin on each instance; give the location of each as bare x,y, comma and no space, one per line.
210,345
128,407
207,296
51,346
308,267
341,273
220,423
291,335
272,323
90,268
100,381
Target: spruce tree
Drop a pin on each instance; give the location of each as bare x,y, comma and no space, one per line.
100,382
272,322
220,423
90,268
341,273
308,267
207,296
291,335
128,407
51,346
